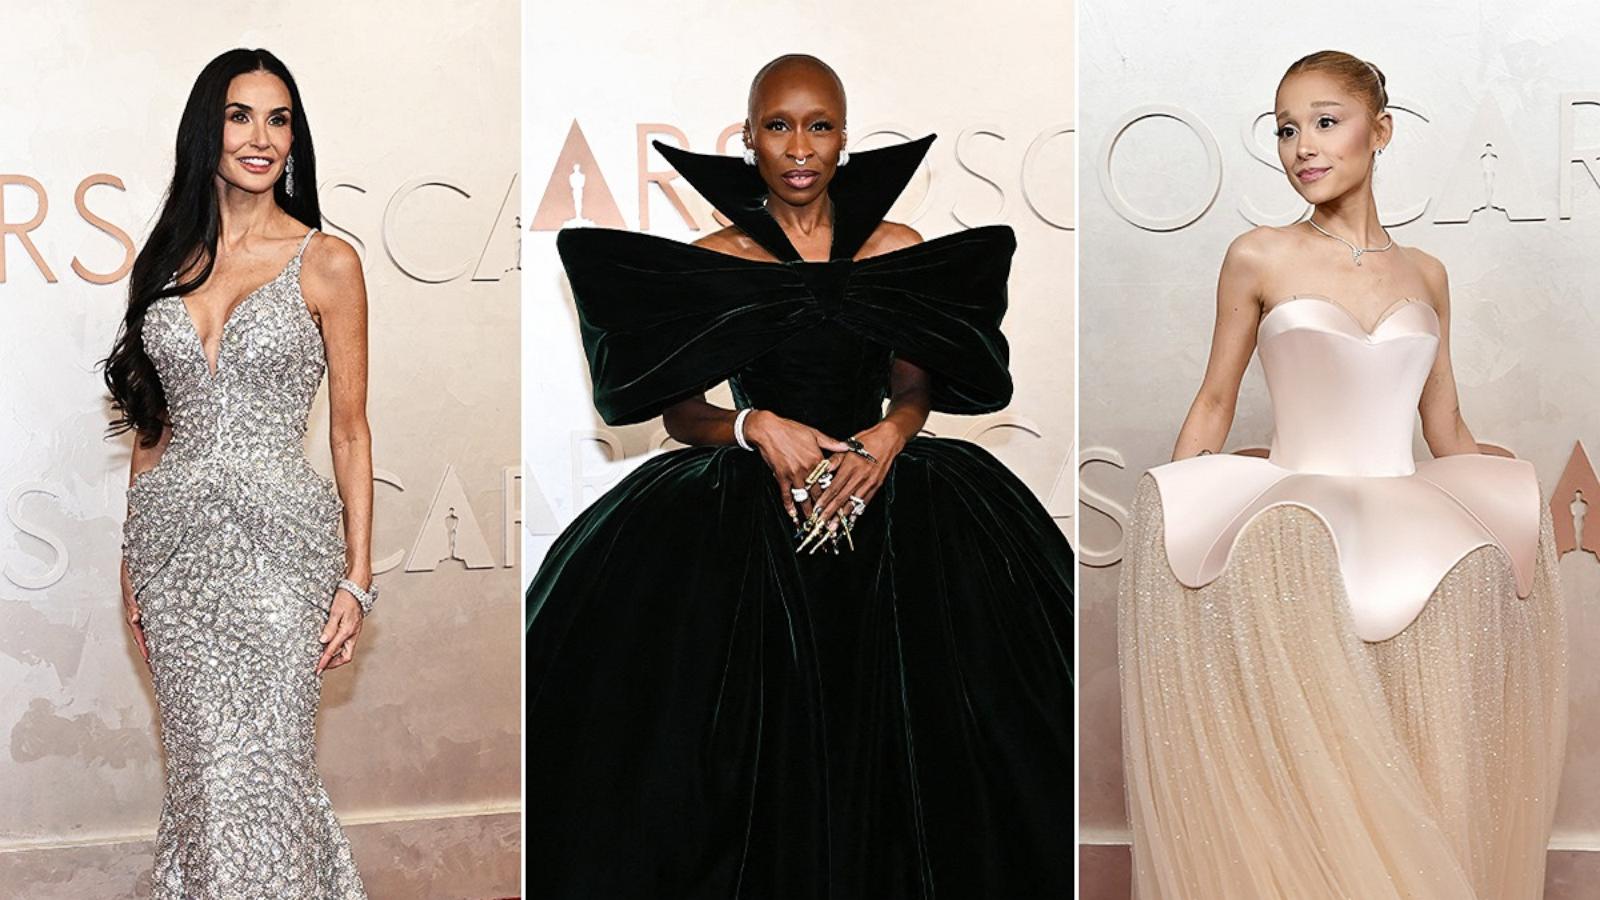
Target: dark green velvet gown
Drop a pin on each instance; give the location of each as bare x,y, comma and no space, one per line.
712,716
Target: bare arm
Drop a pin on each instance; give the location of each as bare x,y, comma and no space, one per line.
698,422
1233,339
910,399
1443,427
337,291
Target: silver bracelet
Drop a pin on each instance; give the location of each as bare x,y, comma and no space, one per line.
364,597
738,427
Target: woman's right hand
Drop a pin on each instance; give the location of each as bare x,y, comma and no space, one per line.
791,451
130,610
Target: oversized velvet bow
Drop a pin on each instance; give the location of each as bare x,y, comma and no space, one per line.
662,320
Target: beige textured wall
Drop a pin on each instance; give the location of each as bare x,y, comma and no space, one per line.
419,740
910,67
1524,293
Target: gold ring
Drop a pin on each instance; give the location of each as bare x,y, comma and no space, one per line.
816,473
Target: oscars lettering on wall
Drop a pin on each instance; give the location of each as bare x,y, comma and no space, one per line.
448,531
495,251
1487,175
1569,501
20,230
578,194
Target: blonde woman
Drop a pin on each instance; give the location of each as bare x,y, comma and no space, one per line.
1342,668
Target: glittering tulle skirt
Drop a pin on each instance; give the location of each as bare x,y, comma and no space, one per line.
1271,753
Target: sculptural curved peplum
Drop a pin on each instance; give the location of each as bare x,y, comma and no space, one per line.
1344,401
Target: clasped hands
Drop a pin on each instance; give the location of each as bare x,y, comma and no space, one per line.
825,483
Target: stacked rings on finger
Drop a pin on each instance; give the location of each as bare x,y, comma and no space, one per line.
858,504
800,495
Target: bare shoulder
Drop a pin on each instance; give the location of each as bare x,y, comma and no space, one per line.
1429,266
1260,242
332,257
889,237
733,241
1253,251
1434,278
724,241
331,270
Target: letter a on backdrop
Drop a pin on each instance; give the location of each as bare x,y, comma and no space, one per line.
576,179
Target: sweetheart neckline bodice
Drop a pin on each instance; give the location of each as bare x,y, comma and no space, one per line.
1388,313
1344,411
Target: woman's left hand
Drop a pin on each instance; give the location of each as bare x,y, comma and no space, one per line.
344,626
855,475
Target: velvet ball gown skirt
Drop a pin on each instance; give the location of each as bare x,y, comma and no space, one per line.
712,716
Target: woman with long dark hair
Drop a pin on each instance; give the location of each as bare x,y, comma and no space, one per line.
1343,669
240,587
814,654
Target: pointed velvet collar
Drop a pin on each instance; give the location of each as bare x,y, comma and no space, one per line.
862,193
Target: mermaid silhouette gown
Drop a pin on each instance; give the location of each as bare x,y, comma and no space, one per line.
234,545
1343,671
711,715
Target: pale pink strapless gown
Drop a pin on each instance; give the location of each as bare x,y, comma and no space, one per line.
1343,670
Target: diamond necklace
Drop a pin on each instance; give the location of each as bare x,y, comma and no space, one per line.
1355,252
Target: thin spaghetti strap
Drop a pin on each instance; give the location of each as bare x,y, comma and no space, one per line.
302,251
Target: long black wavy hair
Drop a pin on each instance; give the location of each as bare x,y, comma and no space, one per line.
186,231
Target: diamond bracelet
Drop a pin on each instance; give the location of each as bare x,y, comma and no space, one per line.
364,597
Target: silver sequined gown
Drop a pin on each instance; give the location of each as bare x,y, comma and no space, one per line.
234,545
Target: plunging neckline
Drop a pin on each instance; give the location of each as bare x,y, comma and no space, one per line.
1383,317
213,367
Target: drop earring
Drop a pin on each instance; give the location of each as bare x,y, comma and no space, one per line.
288,176
749,156
844,158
